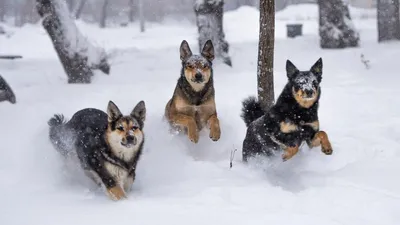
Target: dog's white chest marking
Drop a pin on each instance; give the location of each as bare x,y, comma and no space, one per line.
119,174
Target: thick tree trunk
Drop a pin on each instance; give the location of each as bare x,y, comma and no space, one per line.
76,54
336,30
209,18
71,5
265,68
388,20
6,93
79,9
103,16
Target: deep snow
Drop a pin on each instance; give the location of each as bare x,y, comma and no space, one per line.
182,183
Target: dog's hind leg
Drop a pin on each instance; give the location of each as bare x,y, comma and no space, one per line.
321,139
215,131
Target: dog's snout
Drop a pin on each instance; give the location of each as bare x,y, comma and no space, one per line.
130,139
309,93
198,76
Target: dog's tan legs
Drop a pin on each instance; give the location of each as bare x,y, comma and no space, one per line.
213,124
189,123
290,152
116,193
321,139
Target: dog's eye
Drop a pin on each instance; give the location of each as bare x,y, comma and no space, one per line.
135,128
121,128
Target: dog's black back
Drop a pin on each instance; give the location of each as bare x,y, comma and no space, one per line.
270,131
89,122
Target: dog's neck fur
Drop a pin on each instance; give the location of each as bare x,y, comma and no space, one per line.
196,97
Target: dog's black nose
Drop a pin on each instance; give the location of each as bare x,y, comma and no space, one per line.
309,93
130,139
198,76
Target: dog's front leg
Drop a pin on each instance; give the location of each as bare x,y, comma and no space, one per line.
100,174
129,182
213,124
290,152
321,139
189,123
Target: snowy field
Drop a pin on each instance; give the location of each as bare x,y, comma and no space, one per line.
182,183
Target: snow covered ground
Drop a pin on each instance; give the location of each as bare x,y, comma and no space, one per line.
182,183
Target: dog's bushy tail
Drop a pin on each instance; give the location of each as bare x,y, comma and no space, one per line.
251,110
58,134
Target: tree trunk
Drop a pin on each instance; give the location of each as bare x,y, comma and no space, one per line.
76,54
388,20
6,93
131,10
336,30
265,68
70,4
209,19
79,9
141,16
103,16
3,10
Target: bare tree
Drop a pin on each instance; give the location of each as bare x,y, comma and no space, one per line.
388,20
76,54
209,18
336,28
265,68
79,8
103,16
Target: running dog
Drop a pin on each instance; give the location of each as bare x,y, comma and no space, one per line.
192,106
108,145
292,120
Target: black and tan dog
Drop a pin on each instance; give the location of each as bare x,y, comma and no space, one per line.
192,106
292,120
108,145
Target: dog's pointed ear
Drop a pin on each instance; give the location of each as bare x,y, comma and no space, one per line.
139,111
113,112
290,69
185,50
316,69
208,50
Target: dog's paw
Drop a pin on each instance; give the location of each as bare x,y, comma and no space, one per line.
193,135
289,153
215,133
116,193
327,151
